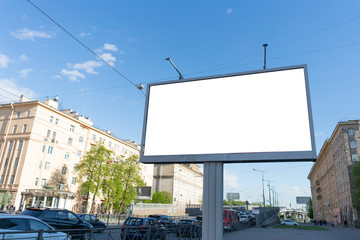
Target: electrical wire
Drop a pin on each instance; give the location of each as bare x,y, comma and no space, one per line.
82,44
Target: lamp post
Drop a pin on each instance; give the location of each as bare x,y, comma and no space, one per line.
262,173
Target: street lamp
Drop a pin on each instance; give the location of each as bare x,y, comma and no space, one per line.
262,173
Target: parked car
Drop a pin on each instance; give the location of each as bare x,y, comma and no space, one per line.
244,218
62,219
189,228
98,225
20,225
163,219
139,228
289,222
230,220
199,218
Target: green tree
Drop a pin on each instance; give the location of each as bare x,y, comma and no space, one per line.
355,173
309,208
127,183
91,171
162,197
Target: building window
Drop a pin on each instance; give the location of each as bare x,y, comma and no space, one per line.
15,128
53,137
61,186
78,153
81,139
63,172
24,128
353,144
56,121
6,162
12,179
93,137
73,181
36,181
43,182
20,145
67,156
47,166
28,114
2,179
70,140
16,162
72,128
40,164
51,119
50,150
48,134
351,132
18,114
10,145
355,157
43,148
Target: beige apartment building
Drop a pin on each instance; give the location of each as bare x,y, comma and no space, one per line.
329,177
183,181
39,147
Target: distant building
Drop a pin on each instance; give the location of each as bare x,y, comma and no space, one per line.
183,181
39,147
331,183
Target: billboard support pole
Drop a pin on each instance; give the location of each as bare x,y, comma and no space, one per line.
213,201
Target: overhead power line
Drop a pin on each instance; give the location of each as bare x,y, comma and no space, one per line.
138,86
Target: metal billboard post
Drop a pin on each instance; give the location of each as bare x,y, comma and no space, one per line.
213,201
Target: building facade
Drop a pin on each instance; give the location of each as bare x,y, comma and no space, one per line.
183,181
39,147
330,178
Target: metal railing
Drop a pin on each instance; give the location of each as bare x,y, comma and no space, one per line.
170,232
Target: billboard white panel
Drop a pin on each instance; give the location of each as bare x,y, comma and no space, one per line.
256,116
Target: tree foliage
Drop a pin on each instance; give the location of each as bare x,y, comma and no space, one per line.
355,172
309,208
115,183
161,197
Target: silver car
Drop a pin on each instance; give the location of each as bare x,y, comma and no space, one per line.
20,227
289,222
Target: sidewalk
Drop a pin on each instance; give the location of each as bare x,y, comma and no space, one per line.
334,233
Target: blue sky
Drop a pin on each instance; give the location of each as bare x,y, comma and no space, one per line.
38,59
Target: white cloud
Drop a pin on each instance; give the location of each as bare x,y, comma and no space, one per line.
110,47
88,66
11,92
24,73
56,77
24,58
4,60
26,34
84,34
110,59
73,75
229,10
231,181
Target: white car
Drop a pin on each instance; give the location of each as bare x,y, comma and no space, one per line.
244,218
289,222
20,227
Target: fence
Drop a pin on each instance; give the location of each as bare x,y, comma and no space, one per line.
174,232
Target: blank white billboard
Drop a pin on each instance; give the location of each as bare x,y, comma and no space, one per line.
255,116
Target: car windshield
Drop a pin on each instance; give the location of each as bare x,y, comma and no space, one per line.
155,216
133,222
183,221
34,213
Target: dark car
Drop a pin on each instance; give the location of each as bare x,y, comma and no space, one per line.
62,219
141,228
199,218
98,225
189,228
163,219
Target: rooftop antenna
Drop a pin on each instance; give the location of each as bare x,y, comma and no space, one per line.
180,76
265,45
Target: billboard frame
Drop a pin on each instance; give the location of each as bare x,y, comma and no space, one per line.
290,156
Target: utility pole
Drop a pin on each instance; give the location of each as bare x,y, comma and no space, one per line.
265,45
262,174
